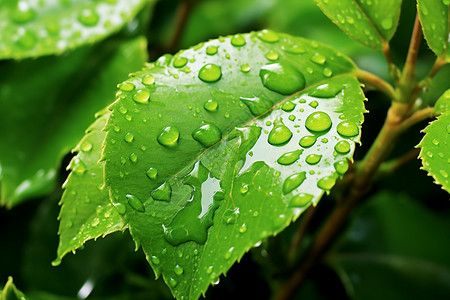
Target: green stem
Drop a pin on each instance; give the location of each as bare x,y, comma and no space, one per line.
438,64
369,78
393,165
409,71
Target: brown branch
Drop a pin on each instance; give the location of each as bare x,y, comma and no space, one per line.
183,12
393,165
300,234
409,71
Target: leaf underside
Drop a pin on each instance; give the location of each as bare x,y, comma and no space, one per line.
372,23
48,117
435,24
203,156
36,28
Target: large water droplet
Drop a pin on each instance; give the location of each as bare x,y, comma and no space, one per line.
211,105
258,106
307,141
169,136
129,137
135,203
210,73
141,96
318,121
313,159
148,79
290,157
341,167
23,13
318,59
88,17
326,183
86,146
280,133
207,134
163,192
288,106
268,36
328,90
238,40
180,61
300,200
293,181
272,55
133,157
282,78
342,147
126,86
152,173
347,129
178,270
211,50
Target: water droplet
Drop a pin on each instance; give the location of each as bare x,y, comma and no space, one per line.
243,228
23,12
211,50
178,270
313,159
152,173
347,129
350,20
121,208
126,86
155,260
148,79
280,134
291,118
282,78
135,203
210,73
95,222
300,200
244,189
141,96
341,167
327,72
289,157
129,137
86,146
229,252
258,106
207,135
295,49
318,59
328,90
163,192
27,39
307,141
169,136
268,36
443,173
386,23
435,142
172,282
230,216
211,105
245,68
314,104
293,181
318,121
180,62
133,157
326,183
272,55
342,147
288,106
88,17
238,40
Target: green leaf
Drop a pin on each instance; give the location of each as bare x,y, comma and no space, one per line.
86,211
31,29
202,153
372,23
10,292
43,117
433,16
443,103
395,248
435,150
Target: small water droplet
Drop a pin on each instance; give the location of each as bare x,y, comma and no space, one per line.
135,203
314,104
148,79
328,90
155,260
88,17
169,136
290,157
207,135
386,23
178,270
435,142
229,252
210,73
180,62
126,86
133,157
211,105
307,141
141,96
295,49
152,173
23,12
268,36
245,68
230,216
86,146
172,282
443,173
27,39
95,222
211,50
243,228
327,72
121,208
341,167
347,129
282,78
244,189
293,181
272,55
313,159
238,40
318,59
129,137
326,183
342,147
288,106
280,133
350,20
163,192
300,200
318,121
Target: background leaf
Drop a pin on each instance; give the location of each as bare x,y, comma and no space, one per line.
372,23
31,29
435,24
43,117
379,256
10,292
443,103
86,211
185,151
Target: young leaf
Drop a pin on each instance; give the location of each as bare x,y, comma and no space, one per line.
10,292
31,29
86,212
372,23
435,24
443,103
43,117
435,150
226,143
